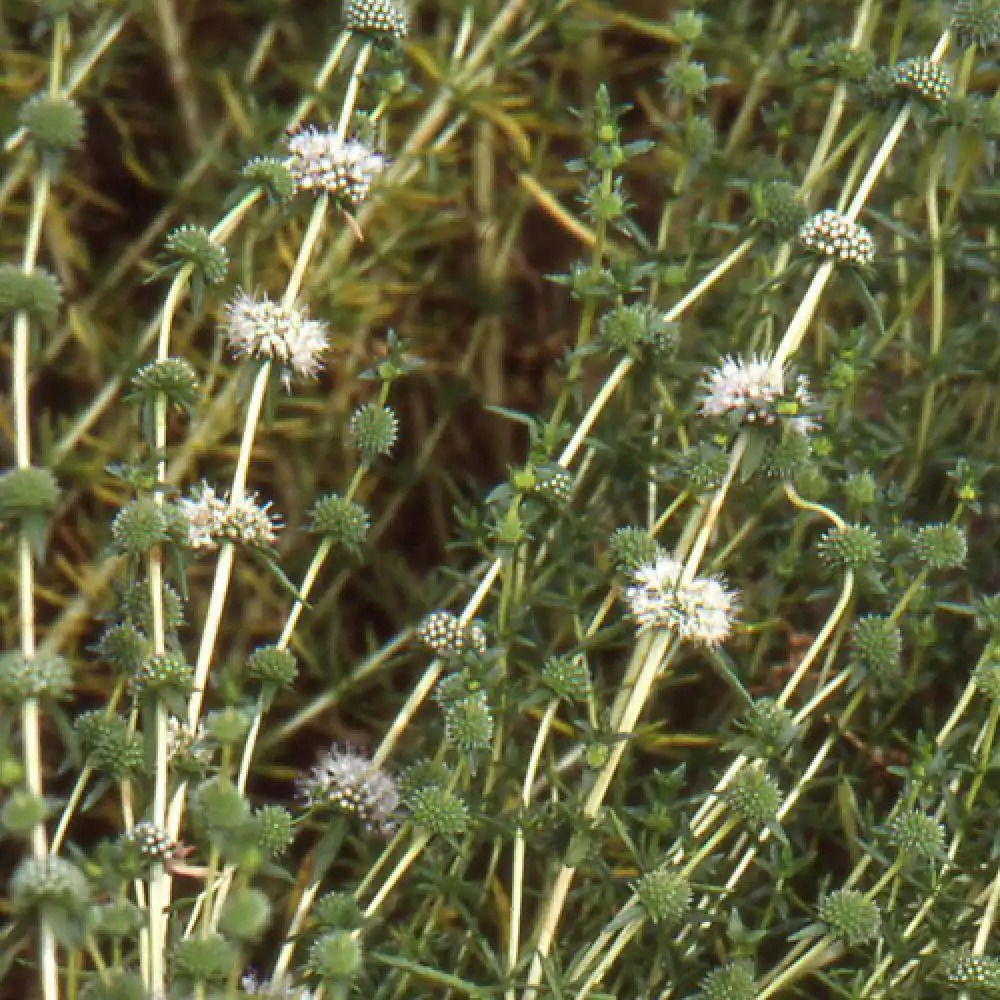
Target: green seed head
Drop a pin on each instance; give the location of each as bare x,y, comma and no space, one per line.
878,645
438,811
940,546
26,678
204,959
22,812
335,957
271,174
850,916
373,431
568,677
854,547
469,723
337,911
139,527
26,493
633,547
731,982
275,830
917,835
755,797
48,882
36,293
976,22
665,894
344,522
54,122
194,245
245,915
272,665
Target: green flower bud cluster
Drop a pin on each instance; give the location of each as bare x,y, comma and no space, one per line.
109,745
53,122
730,982
194,245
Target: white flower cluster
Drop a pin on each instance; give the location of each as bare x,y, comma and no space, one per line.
210,518
756,392
700,610
381,18
264,329
350,783
322,161
833,235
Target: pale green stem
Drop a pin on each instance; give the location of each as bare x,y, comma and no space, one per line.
517,863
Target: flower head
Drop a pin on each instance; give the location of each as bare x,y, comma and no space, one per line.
264,329
349,782
830,234
323,161
209,518
755,392
698,610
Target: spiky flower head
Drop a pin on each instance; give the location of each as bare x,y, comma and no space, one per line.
272,665
211,519
321,161
245,914
686,79
976,22
846,61
172,378
347,782
270,174
337,911
770,728
36,293
754,392
853,547
568,677
29,492
962,968
850,916
379,18
665,894
923,77
188,752
940,546
373,430
54,122
469,722
150,842
755,797
345,522
139,527
699,610
135,606
702,466
915,834
162,673
275,829
780,208
205,958
21,812
195,245
444,634
39,883
438,811
730,982
634,327
878,645
124,646
109,744
831,234
631,547
555,484
29,678
987,678
334,957
258,327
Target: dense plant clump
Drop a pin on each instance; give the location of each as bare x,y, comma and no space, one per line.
499,500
